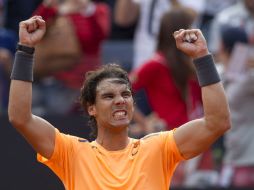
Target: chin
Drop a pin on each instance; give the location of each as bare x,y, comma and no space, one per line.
121,124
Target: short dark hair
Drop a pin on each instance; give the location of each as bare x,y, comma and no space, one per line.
92,79
230,35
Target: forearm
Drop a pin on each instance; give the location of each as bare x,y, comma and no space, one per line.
216,110
20,98
122,14
20,102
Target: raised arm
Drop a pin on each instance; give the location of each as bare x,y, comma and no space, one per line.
122,14
38,132
196,136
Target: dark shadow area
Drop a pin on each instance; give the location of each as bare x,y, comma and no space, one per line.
19,168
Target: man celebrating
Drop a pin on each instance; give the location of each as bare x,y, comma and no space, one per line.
113,160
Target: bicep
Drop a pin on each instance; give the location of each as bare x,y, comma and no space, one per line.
40,134
194,138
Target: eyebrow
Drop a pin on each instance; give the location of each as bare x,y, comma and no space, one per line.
119,81
106,94
109,93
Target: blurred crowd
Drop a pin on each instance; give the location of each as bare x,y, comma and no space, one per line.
79,36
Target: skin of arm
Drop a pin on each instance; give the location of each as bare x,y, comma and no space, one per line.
39,133
122,14
196,136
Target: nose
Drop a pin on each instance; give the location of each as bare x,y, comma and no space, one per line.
119,100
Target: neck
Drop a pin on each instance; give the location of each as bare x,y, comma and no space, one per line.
112,141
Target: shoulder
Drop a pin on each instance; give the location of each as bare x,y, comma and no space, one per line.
159,137
69,140
163,140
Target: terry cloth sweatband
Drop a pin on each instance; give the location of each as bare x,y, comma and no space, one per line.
23,67
206,70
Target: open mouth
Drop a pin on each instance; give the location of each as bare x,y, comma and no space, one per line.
121,114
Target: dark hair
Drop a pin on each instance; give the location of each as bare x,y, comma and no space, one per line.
230,35
179,63
88,90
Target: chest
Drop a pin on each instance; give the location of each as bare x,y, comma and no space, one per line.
132,169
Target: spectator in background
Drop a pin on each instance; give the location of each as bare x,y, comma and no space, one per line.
239,15
92,25
118,33
147,14
168,78
211,9
238,161
8,40
18,10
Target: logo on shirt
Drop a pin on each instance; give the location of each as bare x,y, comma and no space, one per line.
82,140
135,148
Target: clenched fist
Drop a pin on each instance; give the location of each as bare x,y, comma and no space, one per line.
191,42
31,31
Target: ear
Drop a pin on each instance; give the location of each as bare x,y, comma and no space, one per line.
91,110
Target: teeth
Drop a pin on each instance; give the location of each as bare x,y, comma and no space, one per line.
119,114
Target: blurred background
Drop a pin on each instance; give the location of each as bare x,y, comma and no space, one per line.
137,34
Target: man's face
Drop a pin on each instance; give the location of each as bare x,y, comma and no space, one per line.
114,104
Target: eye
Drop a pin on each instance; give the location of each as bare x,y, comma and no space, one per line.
107,96
126,94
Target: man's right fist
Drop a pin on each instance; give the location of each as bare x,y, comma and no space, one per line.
31,31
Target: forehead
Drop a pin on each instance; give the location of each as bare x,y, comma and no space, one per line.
112,84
